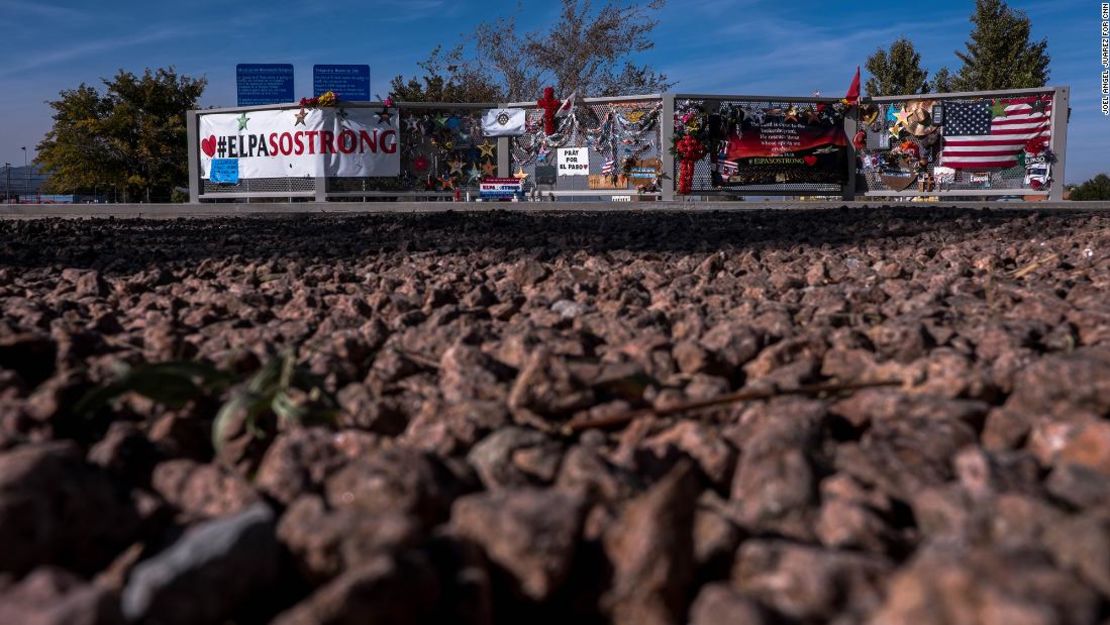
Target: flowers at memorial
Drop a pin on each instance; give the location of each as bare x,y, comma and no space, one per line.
326,99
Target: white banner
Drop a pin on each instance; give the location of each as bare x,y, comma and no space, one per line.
574,161
503,123
299,143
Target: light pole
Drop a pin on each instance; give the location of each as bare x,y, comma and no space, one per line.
8,185
25,169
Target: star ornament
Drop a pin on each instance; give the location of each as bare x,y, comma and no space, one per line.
448,183
520,175
998,109
487,149
456,166
791,115
474,173
489,169
300,118
901,118
1038,105
243,119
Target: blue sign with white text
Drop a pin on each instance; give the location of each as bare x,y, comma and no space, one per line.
224,171
349,82
264,83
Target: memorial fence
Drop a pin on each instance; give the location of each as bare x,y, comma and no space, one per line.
623,148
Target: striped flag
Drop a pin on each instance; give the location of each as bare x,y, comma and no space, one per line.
975,139
728,167
607,168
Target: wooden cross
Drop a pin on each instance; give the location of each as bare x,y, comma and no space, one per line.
549,105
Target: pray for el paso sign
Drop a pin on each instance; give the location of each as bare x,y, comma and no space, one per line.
303,143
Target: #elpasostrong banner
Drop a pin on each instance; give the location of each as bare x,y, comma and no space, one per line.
788,152
296,143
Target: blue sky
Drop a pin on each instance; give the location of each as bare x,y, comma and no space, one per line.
707,46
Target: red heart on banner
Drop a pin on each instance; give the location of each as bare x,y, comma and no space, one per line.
810,160
209,146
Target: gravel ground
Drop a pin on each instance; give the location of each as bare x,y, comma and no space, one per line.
507,418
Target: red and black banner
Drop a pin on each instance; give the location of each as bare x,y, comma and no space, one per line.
788,152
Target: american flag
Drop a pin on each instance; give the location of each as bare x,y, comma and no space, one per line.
607,168
728,167
975,139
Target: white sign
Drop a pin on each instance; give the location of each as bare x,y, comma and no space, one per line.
497,188
574,161
503,123
299,143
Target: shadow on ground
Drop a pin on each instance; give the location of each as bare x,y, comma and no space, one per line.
131,244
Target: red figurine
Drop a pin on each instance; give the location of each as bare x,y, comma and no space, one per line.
549,105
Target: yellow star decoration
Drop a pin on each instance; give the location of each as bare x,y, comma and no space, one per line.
903,117
300,118
896,130
456,166
489,169
520,175
487,149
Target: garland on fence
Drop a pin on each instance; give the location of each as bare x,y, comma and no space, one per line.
620,131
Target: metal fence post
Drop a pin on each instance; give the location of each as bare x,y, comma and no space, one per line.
666,138
191,130
320,185
1061,111
848,193
504,164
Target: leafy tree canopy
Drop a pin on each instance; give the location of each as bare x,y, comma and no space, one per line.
999,53
131,136
896,71
588,50
1097,188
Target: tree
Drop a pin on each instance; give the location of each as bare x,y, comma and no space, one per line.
132,137
588,51
999,54
897,72
1097,188
942,81
448,77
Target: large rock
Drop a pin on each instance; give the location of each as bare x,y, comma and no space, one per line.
324,542
398,590
52,596
56,509
944,585
651,548
207,574
809,583
201,491
530,533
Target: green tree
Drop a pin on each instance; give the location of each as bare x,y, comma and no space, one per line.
132,136
999,54
448,77
1097,188
897,71
942,81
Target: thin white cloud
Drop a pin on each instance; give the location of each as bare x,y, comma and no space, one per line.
85,50
41,10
